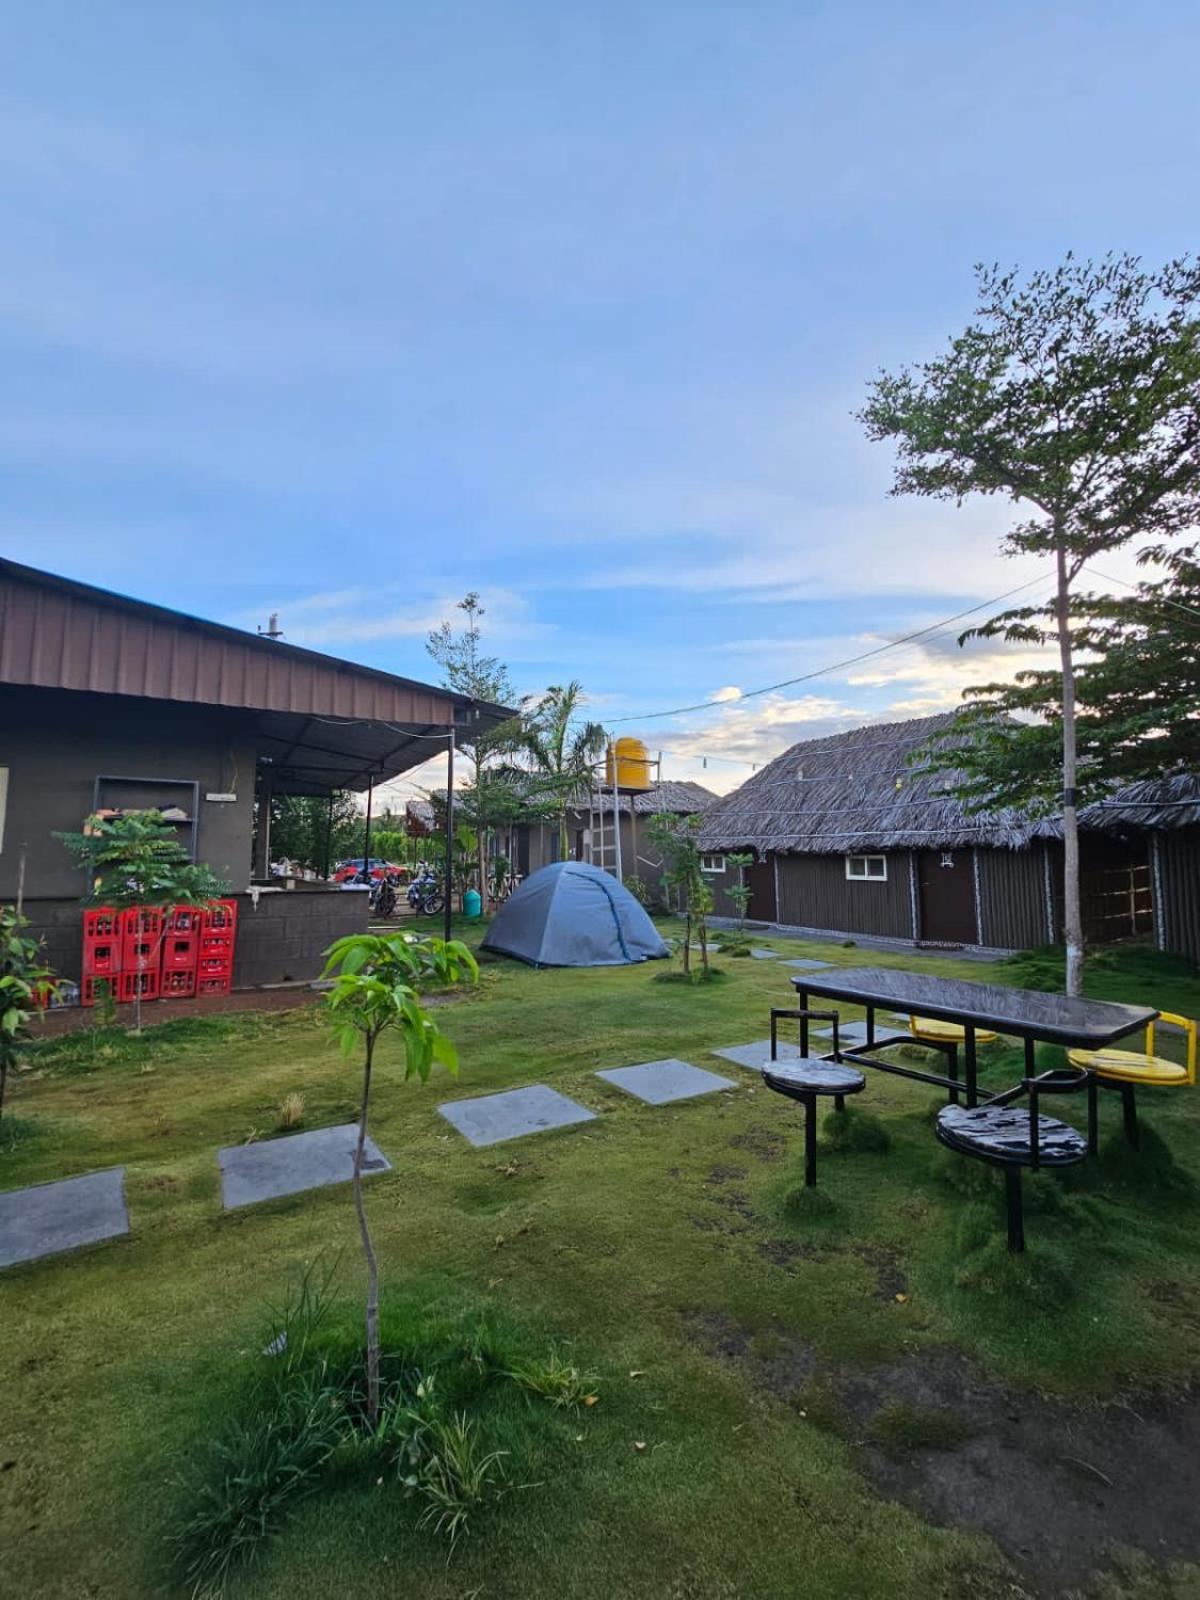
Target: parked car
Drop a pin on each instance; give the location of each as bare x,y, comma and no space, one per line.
352,868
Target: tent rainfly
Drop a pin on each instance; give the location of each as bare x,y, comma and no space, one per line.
571,914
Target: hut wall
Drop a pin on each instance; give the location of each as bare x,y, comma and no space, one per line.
1013,913
1177,891
814,892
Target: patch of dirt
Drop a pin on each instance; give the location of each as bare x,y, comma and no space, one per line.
725,1174
765,1144
889,1275
786,1252
1056,1485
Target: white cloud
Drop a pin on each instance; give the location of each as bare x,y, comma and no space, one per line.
730,692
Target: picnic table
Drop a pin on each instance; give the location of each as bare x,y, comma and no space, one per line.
1026,1014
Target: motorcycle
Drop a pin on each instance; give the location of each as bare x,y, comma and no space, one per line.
382,897
425,894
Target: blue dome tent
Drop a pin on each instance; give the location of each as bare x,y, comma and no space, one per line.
570,914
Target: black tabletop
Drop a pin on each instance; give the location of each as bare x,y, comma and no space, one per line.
1027,1013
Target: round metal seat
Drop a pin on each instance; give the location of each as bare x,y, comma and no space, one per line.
804,1081
798,1079
1004,1136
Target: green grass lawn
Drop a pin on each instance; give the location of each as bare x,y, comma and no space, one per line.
796,1357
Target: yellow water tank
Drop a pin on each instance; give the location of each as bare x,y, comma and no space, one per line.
629,765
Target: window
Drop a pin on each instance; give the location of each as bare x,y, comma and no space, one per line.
712,863
862,868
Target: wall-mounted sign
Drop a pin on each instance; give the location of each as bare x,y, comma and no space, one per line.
224,799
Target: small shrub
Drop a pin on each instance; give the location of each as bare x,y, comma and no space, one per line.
638,888
291,1112
849,944
552,1377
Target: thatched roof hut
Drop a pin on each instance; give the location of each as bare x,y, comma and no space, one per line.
856,792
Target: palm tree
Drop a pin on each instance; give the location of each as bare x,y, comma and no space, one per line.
563,757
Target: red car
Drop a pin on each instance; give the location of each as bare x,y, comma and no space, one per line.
347,871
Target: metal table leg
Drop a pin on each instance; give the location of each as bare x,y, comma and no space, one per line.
969,1055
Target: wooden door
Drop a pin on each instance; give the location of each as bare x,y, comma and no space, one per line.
760,880
946,891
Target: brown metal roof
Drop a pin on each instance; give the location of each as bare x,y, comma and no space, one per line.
59,634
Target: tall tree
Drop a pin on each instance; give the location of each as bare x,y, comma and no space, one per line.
1076,394
1137,695
469,671
564,748
302,826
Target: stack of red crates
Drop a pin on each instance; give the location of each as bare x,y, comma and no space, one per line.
174,954
218,932
101,954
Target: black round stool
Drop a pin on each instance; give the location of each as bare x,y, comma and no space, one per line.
1011,1138
804,1081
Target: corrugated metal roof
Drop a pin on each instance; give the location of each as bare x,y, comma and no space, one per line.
325,723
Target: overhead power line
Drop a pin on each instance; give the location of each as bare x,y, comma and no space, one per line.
833,666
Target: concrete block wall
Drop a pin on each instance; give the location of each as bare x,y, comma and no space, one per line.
283,940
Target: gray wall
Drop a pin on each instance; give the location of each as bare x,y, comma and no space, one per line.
814,892
55,744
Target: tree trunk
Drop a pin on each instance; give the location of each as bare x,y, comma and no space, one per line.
1072,904
562,835
687,941
3,1084
368,1247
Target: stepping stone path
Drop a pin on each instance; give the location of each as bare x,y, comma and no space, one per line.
765,955
492,1118
51,1217
660,1082
807,964
254,1172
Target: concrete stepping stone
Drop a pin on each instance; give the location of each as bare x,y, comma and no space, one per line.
807,964
492,1118
757,1055
660,1082
48,1218
765,955
251,1173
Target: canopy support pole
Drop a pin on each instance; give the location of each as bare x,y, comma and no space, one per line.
449,833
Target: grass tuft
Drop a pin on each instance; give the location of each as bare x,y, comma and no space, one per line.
291,1112
899,1427
554,1378
856,1132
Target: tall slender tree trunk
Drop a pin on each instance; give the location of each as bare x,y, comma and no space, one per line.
368,1247
562,835
1072,904
3,1084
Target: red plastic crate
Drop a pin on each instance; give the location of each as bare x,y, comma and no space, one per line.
101,924
217,944
220,916
213,985
185,919
178,985
141,938
101,957
180,952
131,984
89,989
215,967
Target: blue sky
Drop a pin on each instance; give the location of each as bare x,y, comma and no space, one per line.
342,310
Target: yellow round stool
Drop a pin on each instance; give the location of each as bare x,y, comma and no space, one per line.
1126,1069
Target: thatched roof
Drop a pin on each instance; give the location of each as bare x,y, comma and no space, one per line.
1172,801
683,797
856,792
